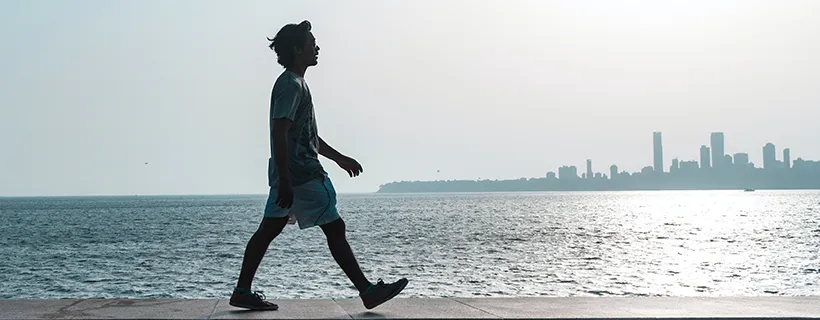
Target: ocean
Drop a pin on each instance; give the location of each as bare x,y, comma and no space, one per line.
661,243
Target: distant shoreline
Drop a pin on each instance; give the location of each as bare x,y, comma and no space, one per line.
634,183
161,195
382,192
591,190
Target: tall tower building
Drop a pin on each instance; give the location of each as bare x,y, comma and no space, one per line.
787,159
589,169
704,157
658,152
613,171
769,156
717,149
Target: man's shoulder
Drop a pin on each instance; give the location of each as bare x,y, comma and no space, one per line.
287,80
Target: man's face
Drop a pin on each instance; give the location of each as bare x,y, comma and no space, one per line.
310,51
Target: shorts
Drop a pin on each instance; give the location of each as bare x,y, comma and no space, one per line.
314,203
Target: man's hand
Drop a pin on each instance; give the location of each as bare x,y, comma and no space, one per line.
350,165
284,197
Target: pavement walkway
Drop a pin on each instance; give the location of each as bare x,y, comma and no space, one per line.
428,308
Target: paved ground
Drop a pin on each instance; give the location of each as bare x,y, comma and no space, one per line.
427,308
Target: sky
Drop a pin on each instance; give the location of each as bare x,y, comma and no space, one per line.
414,90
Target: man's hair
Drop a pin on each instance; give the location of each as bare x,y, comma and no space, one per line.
289,37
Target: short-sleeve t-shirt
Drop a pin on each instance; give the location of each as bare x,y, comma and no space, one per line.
291,99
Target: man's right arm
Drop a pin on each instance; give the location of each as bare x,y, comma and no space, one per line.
279,134
284,103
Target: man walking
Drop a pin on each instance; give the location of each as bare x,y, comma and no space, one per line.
299,186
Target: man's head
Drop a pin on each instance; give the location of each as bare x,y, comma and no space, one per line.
295,45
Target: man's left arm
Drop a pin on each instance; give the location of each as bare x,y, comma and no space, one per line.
350,165
328,151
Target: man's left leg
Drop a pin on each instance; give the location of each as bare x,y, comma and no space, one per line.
343,254
372,295
333,227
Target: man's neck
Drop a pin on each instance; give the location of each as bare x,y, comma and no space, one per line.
300,70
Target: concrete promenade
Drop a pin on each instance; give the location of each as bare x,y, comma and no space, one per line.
428,308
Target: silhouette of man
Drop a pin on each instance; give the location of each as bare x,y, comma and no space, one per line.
299,186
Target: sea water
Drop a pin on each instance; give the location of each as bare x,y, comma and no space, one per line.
664,243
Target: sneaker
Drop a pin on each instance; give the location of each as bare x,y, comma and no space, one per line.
380,292
244,298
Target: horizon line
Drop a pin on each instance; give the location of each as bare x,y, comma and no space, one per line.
155,195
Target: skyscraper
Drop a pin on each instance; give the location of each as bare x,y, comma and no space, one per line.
688,166
704,157
658,151
769,156
727,160
717,149
589,169
787,164
613,171
741,160
567,173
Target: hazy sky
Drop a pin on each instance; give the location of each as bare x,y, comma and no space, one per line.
90,90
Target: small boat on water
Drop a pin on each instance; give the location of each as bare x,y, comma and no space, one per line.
748,190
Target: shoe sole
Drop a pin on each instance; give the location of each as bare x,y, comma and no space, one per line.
391,296
268,308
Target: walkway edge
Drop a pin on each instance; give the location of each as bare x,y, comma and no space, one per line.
427,308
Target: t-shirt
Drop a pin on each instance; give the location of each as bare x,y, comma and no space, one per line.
291,99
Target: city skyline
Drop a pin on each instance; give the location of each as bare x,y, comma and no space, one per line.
714,170
712,156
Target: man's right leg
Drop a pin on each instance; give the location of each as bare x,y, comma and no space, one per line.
242,296
256,248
